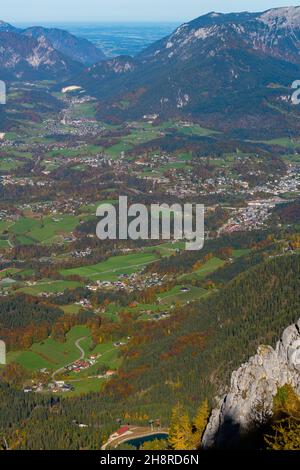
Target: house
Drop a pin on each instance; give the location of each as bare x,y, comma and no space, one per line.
109,373
122,430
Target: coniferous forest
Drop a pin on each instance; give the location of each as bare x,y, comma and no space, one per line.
185,359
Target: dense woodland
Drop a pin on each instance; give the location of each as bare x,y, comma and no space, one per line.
187,358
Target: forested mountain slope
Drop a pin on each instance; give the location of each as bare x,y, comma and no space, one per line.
186,358
194,353
227,71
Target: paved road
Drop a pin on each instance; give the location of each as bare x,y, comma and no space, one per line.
82,354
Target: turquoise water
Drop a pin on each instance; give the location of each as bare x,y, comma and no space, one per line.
141,440
117,38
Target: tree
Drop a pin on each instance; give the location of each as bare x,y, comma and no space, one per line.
200,423
180,434
156,444
286,436
286,421
14,374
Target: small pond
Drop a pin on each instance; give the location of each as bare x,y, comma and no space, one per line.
139,441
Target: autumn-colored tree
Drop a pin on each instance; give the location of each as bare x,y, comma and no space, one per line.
13,374
200,423
208,257
286,436
197,266
225,252
156,444
286,421
295,241
17,440
180,433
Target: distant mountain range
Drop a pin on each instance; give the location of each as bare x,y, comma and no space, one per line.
39,53
225,70
232,72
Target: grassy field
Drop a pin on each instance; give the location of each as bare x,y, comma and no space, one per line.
113,267
205,270
4,244
49,286
51,354
72,309
212,265
8,164
8,272
285,142
49,229
197,130
142,134
241,252
176,295
87,385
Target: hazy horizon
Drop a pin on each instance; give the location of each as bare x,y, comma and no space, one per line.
125,11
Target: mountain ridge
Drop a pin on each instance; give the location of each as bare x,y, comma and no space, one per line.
32,59
39,53
233,65
79,49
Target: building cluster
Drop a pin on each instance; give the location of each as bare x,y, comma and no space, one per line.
132,282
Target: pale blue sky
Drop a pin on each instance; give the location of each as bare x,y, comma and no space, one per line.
34,11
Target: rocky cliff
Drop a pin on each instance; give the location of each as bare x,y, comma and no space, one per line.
250,397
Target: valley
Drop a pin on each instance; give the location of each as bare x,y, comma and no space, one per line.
143,333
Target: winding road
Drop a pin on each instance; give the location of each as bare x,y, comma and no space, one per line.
82,354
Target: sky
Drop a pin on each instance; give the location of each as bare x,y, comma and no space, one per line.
34,11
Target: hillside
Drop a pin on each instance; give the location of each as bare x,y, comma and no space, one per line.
194,353
39,53
78,49
28,58
237,65
185,359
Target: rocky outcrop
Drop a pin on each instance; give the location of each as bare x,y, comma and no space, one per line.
250,397
26,58
78,49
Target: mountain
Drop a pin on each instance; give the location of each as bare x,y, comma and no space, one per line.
191,355
6,27
256,381
228,71
27,58
78,49
39,53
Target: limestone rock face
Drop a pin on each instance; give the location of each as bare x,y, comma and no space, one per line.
250,397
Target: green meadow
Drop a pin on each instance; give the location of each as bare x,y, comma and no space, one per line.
49,286
49,353
52,355
113,267
176,295
205,270
47,230
9,272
